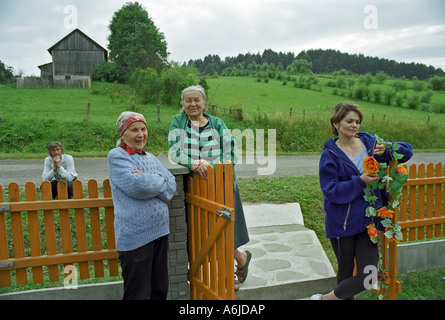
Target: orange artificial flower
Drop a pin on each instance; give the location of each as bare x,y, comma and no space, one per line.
385,213
370,165
383,276
393,239
372,231
402,170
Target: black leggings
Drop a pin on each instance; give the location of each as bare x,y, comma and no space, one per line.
366,254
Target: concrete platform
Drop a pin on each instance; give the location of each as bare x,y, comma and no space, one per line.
288,261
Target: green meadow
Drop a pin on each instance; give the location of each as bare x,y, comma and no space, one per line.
301,116
273,97
31,118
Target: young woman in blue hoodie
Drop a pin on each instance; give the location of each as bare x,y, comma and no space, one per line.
342,181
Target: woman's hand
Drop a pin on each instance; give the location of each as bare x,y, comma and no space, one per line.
200,167
379,149
136,171
369,178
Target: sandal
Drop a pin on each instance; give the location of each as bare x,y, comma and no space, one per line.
236,285
243,271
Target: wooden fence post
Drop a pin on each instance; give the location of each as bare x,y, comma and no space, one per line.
88,111
34,234
5,278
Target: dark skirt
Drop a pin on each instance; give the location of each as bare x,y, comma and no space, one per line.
240,226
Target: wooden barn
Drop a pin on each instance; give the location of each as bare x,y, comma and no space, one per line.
73,60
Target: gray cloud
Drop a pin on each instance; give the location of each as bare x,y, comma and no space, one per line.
407,30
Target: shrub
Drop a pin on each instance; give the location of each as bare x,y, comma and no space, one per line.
426,97
147,85
418,85
437,83
174,80
399,100
362,92
388,96
340,82
107,72
413,103
438,107
399,85
166,88
377,93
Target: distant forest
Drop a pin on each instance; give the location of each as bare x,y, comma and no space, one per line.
321,62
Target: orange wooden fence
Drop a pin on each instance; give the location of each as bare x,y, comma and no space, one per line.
55,234
422,207
211,240
54,238
421,215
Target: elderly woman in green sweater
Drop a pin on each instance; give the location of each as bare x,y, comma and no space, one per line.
141,188
197,140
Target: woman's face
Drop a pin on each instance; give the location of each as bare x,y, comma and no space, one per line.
193,104
136,136
349,125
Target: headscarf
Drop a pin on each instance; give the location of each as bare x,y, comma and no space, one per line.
127,118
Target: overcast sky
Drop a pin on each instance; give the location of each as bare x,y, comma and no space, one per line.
403,30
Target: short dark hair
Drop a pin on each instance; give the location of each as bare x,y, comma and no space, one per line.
54,144
340,111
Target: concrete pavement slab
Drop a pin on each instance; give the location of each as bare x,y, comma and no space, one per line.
288,261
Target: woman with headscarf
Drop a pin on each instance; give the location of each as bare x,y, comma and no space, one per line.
141,188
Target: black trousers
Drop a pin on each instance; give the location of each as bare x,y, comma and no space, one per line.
145,271
69,187
365,253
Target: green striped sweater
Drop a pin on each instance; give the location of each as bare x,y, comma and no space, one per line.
213,142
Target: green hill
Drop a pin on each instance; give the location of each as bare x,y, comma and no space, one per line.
30,119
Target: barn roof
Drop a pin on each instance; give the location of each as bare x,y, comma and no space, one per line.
84,35
44,65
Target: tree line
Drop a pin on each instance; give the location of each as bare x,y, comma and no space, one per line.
321,62
139,57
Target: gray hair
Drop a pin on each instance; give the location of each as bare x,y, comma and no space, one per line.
194,88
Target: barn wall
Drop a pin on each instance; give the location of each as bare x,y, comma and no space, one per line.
76,62
76,55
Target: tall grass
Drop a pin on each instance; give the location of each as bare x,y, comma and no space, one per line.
309,135
32,136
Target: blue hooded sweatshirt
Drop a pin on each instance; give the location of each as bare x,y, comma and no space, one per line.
343,189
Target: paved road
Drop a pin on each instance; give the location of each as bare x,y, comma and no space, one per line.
22,171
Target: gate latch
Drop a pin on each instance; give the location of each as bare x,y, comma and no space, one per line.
225,213
6,264
5,208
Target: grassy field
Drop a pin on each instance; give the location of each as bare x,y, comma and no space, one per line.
274,97
34,117
268,105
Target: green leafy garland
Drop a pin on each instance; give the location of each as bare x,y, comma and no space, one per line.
394,180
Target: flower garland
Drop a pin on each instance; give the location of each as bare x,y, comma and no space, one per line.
395,179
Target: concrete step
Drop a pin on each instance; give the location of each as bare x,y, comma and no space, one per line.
288,261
